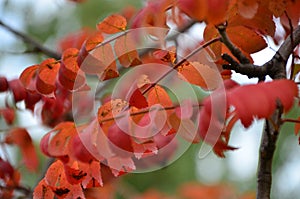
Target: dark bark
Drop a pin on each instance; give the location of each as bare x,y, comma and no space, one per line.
276,69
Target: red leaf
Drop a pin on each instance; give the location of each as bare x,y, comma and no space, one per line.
120,166
3,84
57,181
46,79
28,77
79,151
144,149
120,140
17,89
8,114
70,75
21,138
6,170
31,100
112,24
60,137
73,174
247,101
137,99
42,191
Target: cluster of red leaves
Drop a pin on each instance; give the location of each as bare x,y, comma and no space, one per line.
9,177
123,132
241,104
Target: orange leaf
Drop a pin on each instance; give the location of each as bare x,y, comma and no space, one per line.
199,74
196,9
91,42
28,76
277,7
57,181
59,140
21,138
158,95
93,173
125,50
112,24
240,35
261,22
216,11
100,60
248,8
42,191
46,79
70,75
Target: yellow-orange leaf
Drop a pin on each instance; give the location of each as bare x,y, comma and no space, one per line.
112,24
199,74
125,50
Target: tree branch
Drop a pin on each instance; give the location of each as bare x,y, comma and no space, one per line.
37,45
276,69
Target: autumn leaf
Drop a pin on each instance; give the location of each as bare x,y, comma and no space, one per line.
120,165
21,138
42,191
262,21
59,140
56,179
247,8
246,102
28,77
8,114
3,84
125,49
70,75
158,95
93,170
112,24
46,78
16,87
137,99
199,74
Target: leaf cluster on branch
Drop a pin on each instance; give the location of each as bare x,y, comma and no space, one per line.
133,129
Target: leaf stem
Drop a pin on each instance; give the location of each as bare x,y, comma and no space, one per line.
143,111
290,120
181,62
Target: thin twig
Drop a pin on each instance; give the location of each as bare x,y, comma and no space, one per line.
290,120
27,39
181,62
143,111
